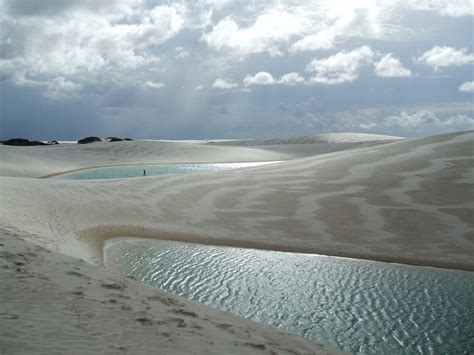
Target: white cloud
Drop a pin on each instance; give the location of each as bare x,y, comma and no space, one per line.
291,79
85,43
468,86
60,88
439,57
261,78
223,84
389,67
459,121
199,88
181,52
341,67
368,126
320,40
428,120
265,78
451,8
267,33
55,88
152,84
414,120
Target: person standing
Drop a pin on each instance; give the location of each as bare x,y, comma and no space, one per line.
144,172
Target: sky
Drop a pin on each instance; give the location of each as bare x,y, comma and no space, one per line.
208,69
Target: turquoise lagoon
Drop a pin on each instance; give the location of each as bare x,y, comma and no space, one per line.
130,171
363,307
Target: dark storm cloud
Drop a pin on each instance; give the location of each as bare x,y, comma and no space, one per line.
182,69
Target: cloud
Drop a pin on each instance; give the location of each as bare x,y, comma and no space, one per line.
223,84
414,120
439,57
55,88
341,67
291,79
60,88
261,78
427,120
283,107
367,126
267,33
152,84
321,40
55,7
84,42
389,67
181,52
264,78
451,8
199,88
468,86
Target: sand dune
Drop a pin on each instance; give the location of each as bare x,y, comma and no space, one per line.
409,201
46,160
334,138
52,303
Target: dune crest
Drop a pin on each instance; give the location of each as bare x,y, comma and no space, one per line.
401,202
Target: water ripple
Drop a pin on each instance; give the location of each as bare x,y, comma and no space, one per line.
359,306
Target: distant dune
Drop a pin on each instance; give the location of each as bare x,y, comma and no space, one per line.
320,138
407,201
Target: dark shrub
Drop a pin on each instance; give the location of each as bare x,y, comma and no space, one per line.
89,140
115,139
22,142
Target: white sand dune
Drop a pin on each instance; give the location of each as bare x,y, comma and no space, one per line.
408,201
55,304
335,138
39,161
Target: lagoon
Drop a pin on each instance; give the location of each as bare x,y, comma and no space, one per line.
364,307
136,170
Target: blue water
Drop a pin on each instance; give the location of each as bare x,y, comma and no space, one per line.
130,171
359,306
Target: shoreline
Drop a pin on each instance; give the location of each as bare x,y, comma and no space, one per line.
98,311
402,203
126,164
99,240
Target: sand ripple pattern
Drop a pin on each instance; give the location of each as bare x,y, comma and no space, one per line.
359,306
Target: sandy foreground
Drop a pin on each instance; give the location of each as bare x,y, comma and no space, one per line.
407,201
53,303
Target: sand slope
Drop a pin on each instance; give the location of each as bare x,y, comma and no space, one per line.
408,201
332,138
40,161
52,303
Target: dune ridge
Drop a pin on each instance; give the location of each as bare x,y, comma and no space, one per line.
334,138
406,201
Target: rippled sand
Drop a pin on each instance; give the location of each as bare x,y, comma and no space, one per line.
407,201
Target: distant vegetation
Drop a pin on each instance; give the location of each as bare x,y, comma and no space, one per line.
114,139
89,140
97,139
22,142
